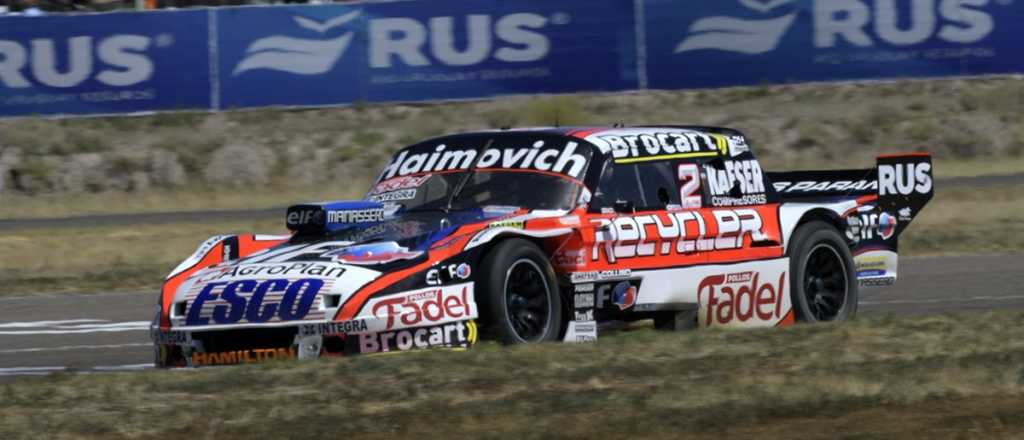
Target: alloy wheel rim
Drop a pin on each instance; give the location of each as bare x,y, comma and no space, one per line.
825,283
526,300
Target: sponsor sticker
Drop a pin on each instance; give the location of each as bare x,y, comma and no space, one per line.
453,335
562,159
904,179
869,225
333,328
746,298
581,331
583,300
302,216
603,275
674,233
514,224
569,259
624,295
394,196
356,216
436,305
272,270
814,186
630,146
620,295
586,287
241,356
253,301
399,183
171,337
584,315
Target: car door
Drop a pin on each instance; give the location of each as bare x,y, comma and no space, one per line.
741,223
645,221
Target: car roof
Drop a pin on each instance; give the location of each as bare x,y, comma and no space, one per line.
583,132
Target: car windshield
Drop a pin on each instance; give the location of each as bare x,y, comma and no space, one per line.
484,188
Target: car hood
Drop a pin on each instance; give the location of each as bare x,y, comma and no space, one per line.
309,277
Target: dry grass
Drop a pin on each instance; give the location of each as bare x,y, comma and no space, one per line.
792,126
948,376
968,220
60,205
106,258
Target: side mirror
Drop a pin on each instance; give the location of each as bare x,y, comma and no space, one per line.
624,207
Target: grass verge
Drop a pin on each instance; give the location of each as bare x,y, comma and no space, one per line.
62,205
107,258
946,376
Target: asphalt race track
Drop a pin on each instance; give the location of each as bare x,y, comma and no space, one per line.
108,332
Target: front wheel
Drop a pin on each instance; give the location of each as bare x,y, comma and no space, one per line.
519,299
824,283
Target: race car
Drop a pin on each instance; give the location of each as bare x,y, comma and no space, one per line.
545,234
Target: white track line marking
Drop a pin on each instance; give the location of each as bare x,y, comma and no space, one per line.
944,300
104,325
130,367
30,324
79,328
73,347
44,371
30,371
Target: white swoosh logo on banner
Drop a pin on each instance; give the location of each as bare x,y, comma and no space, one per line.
736,35
313,25
294,55
762,5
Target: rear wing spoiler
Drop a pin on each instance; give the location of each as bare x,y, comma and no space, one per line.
901,174
885,201
900,181
830,183
903,184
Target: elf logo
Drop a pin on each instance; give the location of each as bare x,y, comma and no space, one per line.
905,179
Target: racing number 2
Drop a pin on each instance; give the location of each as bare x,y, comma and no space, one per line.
689,189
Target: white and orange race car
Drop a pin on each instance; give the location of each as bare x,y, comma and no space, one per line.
542,235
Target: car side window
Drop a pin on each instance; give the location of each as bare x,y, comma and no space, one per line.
646,186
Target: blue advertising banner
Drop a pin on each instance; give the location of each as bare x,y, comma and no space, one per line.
323,55
104,63
466,49
291,56
745,42
417,50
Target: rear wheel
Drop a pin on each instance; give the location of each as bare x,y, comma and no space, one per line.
520,301
823,283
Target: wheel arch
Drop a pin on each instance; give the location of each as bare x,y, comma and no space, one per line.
794,216
541,240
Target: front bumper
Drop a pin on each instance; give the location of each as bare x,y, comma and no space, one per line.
202,347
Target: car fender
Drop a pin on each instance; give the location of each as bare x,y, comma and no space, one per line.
792,214
490,234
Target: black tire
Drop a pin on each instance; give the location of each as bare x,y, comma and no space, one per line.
519,297
823,284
